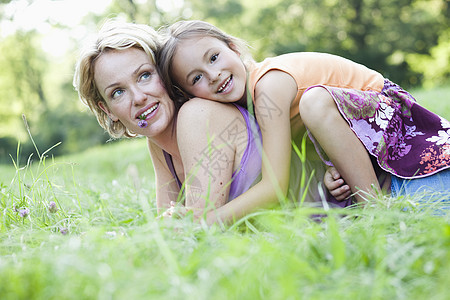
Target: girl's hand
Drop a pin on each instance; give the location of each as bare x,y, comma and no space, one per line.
336,185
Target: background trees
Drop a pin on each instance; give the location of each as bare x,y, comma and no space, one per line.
406,40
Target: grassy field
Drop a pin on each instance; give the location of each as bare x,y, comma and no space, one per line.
100,239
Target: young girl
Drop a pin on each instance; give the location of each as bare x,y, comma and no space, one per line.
408,141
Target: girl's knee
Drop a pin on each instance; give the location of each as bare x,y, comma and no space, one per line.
315,102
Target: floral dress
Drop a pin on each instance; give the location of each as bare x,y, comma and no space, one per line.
407,140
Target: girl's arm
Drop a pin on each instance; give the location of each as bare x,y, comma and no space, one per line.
210,150
274,94
166,187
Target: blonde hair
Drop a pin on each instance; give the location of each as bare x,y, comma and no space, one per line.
114,35
185,30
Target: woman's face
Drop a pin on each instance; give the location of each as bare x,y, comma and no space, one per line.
131,87
208,68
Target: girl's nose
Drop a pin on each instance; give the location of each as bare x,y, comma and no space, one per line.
214,76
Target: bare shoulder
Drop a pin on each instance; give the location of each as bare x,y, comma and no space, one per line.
199,110
277,82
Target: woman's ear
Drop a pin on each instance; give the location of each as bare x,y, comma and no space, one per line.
105,108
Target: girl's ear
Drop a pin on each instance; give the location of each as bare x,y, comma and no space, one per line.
234,48
105,108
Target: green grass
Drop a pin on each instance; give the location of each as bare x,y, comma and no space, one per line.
115,248
437,100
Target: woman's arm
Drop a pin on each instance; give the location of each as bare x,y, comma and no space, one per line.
274,94
211,137
166,187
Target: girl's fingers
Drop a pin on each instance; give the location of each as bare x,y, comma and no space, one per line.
335,173
335,184
341,193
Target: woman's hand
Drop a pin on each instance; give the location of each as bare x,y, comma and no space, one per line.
180,211
175,211
336,185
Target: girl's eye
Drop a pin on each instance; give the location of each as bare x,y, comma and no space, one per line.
214,57
116,93
196,78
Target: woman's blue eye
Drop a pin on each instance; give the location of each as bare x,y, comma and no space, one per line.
214,57
196,78
146,75
116,93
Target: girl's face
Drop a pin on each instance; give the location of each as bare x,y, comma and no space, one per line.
131,87
207,68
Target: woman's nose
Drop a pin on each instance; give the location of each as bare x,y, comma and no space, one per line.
139,97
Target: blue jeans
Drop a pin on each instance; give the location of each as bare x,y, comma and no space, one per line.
431,192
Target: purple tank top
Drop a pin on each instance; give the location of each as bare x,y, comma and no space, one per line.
250,165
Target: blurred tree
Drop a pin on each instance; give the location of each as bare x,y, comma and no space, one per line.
22,68
377,33
434,62
2,3
435,66
40,89
152,12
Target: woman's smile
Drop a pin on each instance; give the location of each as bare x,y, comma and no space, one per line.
133,91
147,114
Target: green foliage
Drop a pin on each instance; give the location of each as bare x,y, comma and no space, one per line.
21,81
104,241
436,66
383,35
378,34
27,87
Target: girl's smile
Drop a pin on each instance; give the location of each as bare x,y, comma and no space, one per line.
208,68
226,86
